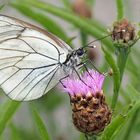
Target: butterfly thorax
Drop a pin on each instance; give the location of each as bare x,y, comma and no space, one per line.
71,63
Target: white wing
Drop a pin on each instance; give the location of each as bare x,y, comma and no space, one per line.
29,59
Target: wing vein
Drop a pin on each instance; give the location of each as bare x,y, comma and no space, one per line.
14,65
14,50
50,80
10,24
47,42
39,82
43,66
20,82
3,33
38,52
31,66
28,83
9,77
10,58
8,67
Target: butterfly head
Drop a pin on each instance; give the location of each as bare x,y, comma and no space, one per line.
79,52
74,59
77,55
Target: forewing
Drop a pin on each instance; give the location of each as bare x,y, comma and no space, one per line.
30,59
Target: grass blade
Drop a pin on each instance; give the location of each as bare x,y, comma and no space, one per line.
116,76
6,113
15,134
116,125
67,4
40,125
45,21
110,130
1,6
79,22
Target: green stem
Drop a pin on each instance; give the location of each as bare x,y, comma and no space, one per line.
121,60
131,124
84,38
82,137
122,56
115,97
94,138
120,10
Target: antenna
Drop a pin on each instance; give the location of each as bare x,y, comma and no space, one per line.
87,45
100,39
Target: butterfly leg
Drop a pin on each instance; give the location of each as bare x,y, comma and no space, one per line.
84,65
91,63
105,74
63,79
63,84
80,77
95,67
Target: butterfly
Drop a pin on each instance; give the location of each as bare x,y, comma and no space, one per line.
32,60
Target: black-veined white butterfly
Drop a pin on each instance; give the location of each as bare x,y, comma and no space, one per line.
32,61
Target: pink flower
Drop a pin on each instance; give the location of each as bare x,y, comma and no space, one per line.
90,112
92,82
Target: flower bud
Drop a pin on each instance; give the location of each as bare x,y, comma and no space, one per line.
91,113
81,8
123,31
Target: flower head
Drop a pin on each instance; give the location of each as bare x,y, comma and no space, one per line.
123,32
91,82
90,112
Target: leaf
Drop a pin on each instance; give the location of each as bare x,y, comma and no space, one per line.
82,136
98,25
71,39
131,112
40,125
6,113
124,95
25,133
112,127
45,21
116,75
79,22
67,4
129,126
15,133
131,67
133,93
2,6
118,122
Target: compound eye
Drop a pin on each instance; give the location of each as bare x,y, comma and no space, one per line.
80,52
